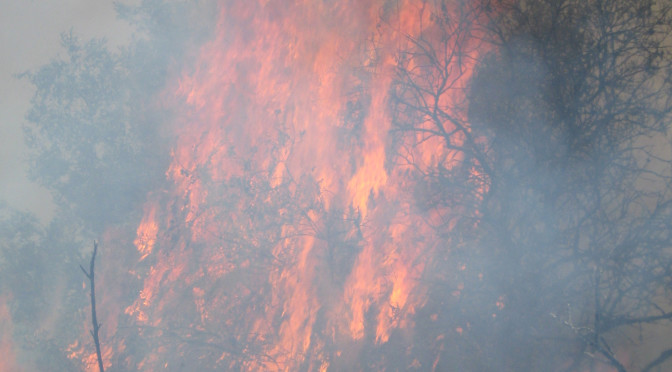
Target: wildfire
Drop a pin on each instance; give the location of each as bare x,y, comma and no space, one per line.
287,235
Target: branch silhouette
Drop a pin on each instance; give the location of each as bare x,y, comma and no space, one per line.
94,319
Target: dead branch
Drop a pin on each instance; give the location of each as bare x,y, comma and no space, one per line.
94,318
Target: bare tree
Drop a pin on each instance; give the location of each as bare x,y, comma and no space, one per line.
554,182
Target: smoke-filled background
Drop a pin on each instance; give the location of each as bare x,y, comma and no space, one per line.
353,185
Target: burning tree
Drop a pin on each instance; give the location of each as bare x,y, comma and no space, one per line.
440,185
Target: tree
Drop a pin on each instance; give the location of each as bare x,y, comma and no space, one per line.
95,136
36,278
554,179
97,142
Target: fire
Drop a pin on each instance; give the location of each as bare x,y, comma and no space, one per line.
285,235
147,233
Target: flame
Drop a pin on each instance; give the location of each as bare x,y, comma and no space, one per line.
284,233
89,359
146,235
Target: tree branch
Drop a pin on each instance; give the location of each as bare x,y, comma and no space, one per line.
616,322
94,319
662,358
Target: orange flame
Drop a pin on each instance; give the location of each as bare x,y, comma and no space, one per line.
287,229
146,235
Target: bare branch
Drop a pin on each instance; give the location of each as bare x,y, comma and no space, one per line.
94,319
665,355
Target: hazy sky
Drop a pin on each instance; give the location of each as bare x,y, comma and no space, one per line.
30,37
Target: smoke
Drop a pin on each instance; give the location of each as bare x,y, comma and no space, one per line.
344,185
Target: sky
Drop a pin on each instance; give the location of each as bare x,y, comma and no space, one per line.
29,38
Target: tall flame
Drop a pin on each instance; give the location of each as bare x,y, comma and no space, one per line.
287,237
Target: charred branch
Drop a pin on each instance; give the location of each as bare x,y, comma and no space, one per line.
617,322
94,319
